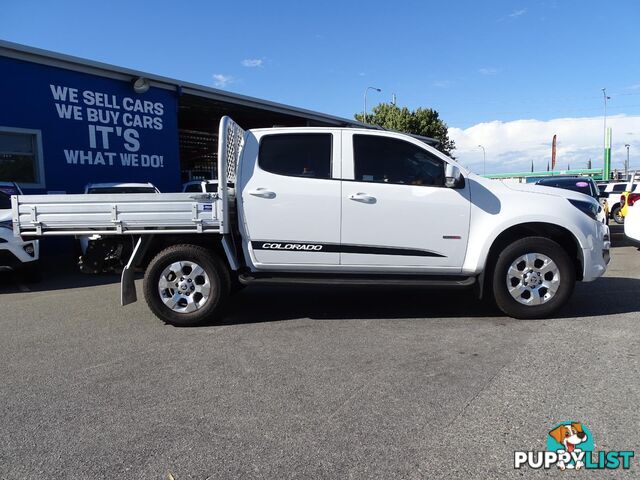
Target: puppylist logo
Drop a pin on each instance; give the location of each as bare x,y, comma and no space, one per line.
570,445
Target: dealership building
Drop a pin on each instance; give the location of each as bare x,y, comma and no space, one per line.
66,122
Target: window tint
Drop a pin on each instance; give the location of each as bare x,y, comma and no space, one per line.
619,187
5,201
389,160
193,188
297,155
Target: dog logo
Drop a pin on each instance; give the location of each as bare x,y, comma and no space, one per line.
571,437
570,446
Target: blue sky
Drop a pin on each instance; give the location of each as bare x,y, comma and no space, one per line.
477,63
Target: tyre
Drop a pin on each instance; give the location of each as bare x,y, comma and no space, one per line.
186,285
533,278
617,215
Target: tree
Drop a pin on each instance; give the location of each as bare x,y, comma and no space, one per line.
423,121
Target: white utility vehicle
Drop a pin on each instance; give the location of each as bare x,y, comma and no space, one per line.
339,206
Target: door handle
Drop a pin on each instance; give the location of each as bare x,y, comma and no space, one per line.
362,197
262,193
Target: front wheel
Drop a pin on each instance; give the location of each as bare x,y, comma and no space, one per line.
533,278
185,285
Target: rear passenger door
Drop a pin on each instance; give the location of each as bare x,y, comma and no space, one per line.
290,200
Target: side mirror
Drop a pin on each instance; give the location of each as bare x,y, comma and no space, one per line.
452,176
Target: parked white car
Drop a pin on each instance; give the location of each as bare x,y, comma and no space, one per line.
15,253
99,254
202,186
120,188
632,219
613,191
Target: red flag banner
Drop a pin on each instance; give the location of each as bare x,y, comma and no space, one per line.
553,153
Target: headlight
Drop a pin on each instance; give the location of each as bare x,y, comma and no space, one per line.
6,224
588,208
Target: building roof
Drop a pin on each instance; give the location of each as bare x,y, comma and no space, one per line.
69,62
46,57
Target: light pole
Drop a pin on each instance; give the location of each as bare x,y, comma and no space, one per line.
484,160
364,114
604,94
626,164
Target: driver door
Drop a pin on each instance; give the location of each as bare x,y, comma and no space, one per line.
397,215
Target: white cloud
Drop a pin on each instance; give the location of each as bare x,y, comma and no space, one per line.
518,13
252,62
511,146
220,80
442,83
488,71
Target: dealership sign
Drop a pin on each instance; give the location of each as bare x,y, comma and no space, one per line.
111,121
91,128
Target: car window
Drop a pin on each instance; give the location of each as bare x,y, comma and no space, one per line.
618,188
5,200
193,188
10,190
211,187
389,160
296,154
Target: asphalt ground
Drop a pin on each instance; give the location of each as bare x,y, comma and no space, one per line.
311,382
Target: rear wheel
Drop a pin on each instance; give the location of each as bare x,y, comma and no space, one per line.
533,278
185,285
617,215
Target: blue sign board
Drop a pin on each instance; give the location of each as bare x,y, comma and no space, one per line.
91,128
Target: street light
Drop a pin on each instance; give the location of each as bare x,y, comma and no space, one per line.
626,164
604,94
484,160
364,115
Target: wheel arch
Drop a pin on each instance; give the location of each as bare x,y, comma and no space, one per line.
211,242
557,233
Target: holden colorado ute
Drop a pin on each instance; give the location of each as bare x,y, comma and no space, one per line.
338,206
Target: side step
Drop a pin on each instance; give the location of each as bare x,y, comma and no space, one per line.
356,279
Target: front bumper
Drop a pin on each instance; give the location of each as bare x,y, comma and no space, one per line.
597,256
15,253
